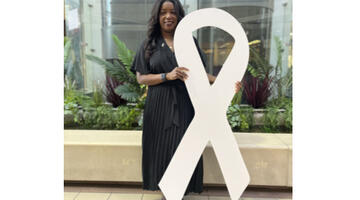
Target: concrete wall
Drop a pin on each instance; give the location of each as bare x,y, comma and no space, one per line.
115,156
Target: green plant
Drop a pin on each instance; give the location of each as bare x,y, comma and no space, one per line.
125,55
128,118
278,67
283,83
70,97
257,82
240,118
97,95
141,103
287,81
108,118
71,63
280,102
89,112
233,116
130,90
74,99
69,88
237,97
273,114
244,125
271,119
247,118
288,116
67,48
98,118
67,52
258,66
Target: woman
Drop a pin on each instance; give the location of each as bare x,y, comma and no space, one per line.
168,109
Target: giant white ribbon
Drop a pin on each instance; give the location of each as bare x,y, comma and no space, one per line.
210,104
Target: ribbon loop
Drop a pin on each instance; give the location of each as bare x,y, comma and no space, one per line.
210,104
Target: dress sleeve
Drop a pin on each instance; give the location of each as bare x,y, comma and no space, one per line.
139,64
201,53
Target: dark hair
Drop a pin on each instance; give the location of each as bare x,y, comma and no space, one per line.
154,29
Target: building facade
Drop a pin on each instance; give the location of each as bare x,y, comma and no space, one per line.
264,21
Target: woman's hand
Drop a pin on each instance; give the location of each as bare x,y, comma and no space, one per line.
237,86
211,78
177,73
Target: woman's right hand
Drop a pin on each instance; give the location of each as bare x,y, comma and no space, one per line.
177,73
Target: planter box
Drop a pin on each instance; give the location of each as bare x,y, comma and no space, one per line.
115,156
259,116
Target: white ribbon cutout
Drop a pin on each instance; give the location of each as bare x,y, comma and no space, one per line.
210,104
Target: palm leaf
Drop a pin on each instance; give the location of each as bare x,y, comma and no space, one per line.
67,48
100,61
287,80
258,66
127,92
125,55
256,57
120,70
127,75
252,70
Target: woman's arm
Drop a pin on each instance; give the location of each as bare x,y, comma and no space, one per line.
177,73
149,79
154,79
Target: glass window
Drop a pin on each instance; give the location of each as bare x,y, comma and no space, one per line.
267,22
73,65
128,20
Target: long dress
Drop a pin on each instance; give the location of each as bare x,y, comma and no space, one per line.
167,114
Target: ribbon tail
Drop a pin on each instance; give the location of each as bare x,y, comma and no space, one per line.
231,163
173,184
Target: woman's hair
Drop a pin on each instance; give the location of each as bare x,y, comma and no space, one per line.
154,29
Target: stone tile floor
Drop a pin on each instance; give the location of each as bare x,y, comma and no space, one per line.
136,193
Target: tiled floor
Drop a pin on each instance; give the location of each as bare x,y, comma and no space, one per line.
135,193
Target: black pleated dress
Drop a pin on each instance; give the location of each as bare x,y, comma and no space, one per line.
167,114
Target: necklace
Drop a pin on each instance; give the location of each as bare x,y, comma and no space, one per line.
169,44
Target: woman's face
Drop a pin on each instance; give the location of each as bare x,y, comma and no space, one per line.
167,17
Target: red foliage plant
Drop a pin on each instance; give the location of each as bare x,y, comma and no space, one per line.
257,91
110,94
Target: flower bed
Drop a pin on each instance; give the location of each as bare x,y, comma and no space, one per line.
129,117
265,89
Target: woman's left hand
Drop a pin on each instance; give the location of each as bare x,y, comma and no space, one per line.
237,86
